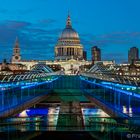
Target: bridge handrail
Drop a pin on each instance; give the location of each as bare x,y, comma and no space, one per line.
26,76
123,79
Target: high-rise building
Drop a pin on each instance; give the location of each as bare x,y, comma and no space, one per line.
85,55
16,52
68,45
133,54
96,54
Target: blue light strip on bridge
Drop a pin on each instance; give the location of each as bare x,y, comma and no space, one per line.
38,83
113,88
119,85
7,86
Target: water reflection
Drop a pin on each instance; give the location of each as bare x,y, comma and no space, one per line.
93,115
94,112
35,119
132,112
53,117
34,112
23,113
96,119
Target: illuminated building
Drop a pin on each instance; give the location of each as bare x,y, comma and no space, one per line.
85,55
133,54
11,68
16,52
96,54
68,45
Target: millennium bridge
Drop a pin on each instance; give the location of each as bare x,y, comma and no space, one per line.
98,104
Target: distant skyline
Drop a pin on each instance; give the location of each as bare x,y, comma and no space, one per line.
112,25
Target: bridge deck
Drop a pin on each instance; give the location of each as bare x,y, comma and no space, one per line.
70,89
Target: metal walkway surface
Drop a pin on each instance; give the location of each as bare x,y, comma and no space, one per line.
67,82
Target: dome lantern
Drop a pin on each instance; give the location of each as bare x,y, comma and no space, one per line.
69,32
68,24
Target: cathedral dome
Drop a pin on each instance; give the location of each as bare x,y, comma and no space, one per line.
68,45
69,33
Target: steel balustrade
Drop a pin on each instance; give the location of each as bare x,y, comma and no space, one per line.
27,76
123,79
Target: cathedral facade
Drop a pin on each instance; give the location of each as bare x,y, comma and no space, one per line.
68,45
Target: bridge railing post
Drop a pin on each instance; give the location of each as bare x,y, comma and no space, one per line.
34,91
119,100
114,95
21,94
129,102
2,99
28,91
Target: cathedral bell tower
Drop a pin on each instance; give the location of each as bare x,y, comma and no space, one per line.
16,52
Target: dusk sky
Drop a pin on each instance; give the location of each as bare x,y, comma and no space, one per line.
112,25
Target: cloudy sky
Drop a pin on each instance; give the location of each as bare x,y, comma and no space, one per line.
112,25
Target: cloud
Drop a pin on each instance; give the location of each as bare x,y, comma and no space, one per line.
121,35
41,31
26,31
9,29
119,38
37,36
47,21
12,28
118,57
116,38
14,25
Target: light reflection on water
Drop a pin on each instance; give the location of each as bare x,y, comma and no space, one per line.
131,111
94,116
128,111
39,112
37,119
95,112
53,117
34,112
